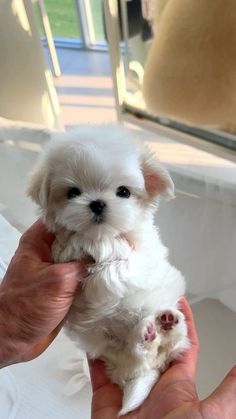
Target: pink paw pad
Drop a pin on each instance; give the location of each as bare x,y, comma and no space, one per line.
150,333
167,320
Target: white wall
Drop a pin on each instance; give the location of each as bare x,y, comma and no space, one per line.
199,228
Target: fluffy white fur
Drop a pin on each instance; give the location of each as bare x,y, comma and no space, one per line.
117,316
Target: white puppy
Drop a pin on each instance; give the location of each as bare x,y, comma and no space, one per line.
98,189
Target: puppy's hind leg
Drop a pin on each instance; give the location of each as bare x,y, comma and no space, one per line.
172,326
143,334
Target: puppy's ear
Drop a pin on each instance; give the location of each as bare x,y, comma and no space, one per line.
38,186
157,180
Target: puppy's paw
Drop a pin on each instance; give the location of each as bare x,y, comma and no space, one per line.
168,319
145,331
172,328
149,333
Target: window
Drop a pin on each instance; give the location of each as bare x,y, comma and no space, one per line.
74,23
191,67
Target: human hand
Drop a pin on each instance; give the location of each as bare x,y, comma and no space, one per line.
35,296
174,396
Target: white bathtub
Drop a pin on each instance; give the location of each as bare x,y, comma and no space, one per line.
199,227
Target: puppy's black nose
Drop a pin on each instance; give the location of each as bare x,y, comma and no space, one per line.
97,207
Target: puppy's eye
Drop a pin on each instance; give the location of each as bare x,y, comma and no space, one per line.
123,192
73,193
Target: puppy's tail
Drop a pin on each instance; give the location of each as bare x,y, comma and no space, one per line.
136,391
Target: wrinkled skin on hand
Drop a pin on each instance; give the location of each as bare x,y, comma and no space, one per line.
35,296
174,396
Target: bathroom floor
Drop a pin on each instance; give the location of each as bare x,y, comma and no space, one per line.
215,322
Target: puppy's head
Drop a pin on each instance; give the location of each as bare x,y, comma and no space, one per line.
98,181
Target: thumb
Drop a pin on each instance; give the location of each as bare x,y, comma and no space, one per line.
71,274
98,374
224,397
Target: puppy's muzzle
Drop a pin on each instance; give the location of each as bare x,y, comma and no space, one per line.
98,209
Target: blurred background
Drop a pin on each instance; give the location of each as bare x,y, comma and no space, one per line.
166,68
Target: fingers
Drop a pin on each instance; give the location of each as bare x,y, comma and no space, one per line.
192,332
107,396
70,275
37,241
190,356
97,374
39,232
224,397
42,345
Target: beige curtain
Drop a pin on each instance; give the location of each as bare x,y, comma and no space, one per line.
26,87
